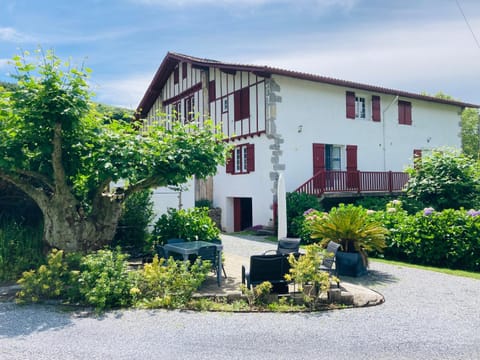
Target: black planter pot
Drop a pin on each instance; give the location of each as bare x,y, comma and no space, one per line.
350,264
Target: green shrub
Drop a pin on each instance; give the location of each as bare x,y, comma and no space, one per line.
132,233
448,238
169,283
49,281
444,180
21,248
104,280
297,204
190,225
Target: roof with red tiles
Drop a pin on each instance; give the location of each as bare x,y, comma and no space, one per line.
172,59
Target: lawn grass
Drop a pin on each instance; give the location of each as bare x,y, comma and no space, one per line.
463,273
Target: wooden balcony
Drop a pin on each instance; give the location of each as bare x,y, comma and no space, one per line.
354,182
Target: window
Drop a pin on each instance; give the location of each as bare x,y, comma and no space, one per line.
242,104
177,110
333,156
225,105
189,108
404,112
359,107
242,160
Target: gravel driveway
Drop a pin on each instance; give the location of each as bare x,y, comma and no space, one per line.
426,315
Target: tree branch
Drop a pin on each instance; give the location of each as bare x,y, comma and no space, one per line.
43,179
143,185
37,195
58,169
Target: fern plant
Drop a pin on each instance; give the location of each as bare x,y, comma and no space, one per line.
351,227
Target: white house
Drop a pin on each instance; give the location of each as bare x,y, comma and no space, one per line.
353,137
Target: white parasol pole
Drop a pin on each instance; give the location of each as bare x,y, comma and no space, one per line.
281,208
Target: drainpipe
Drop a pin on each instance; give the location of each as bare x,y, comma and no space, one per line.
384,149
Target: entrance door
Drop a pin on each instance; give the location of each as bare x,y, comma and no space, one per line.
242,213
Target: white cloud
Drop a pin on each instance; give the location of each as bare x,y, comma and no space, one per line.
126,92
409,58
11,35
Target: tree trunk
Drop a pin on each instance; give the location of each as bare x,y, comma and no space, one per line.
66,227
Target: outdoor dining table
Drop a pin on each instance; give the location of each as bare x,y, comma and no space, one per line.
191,247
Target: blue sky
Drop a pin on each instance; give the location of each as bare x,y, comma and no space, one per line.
411,45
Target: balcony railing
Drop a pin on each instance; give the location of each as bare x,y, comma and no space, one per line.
354,182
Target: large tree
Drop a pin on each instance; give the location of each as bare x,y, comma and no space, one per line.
58,149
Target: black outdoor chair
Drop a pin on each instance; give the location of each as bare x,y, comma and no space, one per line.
329,258
218,241
270,268
286,246
209,253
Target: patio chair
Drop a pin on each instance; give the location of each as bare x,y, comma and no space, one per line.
270,268
218,241
329,258
285,246
209,253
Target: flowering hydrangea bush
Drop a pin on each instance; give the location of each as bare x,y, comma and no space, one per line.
448,238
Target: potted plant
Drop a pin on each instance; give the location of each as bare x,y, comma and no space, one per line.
305,271
355,231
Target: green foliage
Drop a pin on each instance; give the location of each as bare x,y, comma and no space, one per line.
258,295
297,204
104,280
190,225
21,248
203,203
448,238
53,137
444,179
132,230
305,269
373,202
470,133
351,227
47,282
169,283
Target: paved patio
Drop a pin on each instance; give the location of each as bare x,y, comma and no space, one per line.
237,251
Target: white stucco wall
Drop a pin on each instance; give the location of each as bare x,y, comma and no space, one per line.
256,185
315,113
164,198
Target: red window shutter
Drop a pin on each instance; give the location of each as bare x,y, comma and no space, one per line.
241,103
175,75
404,112
318,158
376,116
250,157
211,91
184,70
350,98
408,113
245,103
229,166
352,157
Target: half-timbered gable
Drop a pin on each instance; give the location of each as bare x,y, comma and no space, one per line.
326,136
